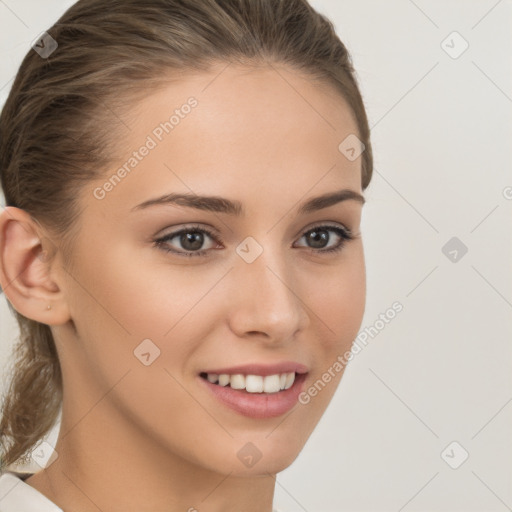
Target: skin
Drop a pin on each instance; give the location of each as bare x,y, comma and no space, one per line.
150,438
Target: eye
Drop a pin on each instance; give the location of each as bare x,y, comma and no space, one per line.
192,239
319,235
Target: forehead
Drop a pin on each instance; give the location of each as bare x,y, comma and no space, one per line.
234,130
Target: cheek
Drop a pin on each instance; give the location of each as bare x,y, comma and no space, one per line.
141,299
134,291
337,302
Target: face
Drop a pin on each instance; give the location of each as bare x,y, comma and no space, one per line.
174,303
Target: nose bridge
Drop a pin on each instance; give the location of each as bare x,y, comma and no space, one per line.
266,301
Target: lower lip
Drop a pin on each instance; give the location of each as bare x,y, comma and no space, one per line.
258,405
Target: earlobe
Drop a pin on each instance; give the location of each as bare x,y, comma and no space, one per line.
25,269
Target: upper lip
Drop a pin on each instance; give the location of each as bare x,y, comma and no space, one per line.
262,369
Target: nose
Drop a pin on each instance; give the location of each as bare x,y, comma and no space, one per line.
265,300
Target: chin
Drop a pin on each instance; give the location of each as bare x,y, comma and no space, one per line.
267,455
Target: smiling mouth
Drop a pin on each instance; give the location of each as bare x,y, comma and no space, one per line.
252,383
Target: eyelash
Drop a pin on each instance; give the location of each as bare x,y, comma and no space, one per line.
344,233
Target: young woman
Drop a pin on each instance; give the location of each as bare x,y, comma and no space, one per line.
181,247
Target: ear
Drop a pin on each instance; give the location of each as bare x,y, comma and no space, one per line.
26,273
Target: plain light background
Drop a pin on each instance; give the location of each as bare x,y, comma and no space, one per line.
435,383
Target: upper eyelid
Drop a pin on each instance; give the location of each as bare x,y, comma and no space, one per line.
213,232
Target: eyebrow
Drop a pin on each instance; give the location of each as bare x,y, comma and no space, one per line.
232,207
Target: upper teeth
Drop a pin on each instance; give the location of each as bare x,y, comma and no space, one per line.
254,383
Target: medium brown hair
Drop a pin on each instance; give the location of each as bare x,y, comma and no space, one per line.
58,129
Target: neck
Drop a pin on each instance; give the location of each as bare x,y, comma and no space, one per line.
138,474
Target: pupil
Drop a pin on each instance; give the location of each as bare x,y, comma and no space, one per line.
192,240
316,237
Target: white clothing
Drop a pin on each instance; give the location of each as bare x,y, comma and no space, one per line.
18,496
